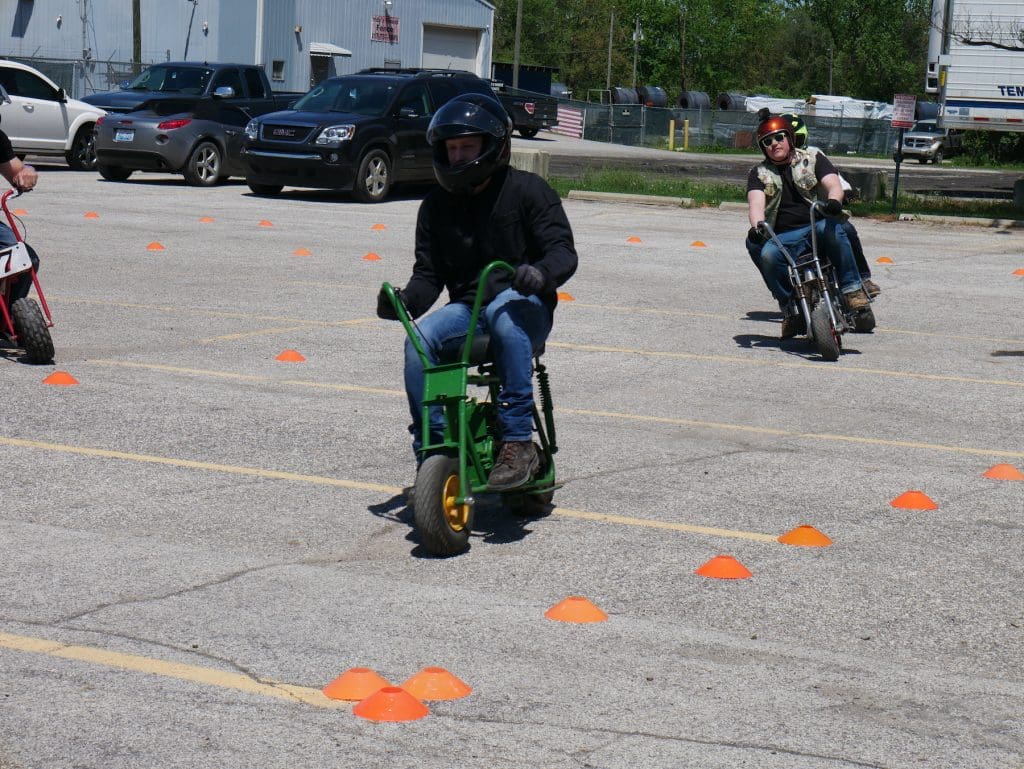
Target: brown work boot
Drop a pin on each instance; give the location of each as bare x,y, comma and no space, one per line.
872,288
517,462
793,325
857,300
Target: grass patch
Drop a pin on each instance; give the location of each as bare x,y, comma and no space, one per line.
631,182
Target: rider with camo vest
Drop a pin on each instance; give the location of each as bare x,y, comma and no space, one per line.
780,190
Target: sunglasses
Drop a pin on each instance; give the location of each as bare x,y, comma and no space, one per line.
770,139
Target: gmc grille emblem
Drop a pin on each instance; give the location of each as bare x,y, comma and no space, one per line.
283,132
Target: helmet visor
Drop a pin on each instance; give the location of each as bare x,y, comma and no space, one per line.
464,118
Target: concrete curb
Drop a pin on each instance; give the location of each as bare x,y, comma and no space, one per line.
622,197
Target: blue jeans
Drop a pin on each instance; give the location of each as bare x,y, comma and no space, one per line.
832,241
518,325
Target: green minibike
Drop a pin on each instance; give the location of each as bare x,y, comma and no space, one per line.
455,469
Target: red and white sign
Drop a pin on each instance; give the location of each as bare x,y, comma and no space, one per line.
903,106
570,122
384,29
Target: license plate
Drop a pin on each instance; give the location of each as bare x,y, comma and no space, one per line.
124,135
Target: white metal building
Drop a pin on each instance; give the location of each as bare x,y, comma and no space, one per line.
298,41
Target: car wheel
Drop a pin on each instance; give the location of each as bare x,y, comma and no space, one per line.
202,169
373,180
938,157
82,155
114,173
528,133
265,189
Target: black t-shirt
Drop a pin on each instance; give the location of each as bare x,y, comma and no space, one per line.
794,212
6,150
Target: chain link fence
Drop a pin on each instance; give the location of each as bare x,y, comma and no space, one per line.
80,78
635,124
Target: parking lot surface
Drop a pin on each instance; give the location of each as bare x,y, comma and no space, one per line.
197,537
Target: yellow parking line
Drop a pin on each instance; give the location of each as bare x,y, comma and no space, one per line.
783,364
724,426
191,673
257,332
360,486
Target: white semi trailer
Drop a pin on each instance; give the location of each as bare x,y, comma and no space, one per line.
976,63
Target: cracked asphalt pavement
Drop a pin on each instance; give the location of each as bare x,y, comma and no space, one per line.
197,537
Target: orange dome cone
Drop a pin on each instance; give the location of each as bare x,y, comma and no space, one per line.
291,356
266,223
1004,473
379,227
91,215
20,212
914,500
62,378
436,684
564,297
371,257
205,220
391,703
302,252
884,260
355,684
155,246
633,239
805,536
724,567
699,244
1019,272
575,608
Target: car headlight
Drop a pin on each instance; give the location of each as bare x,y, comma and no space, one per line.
333,135
252,130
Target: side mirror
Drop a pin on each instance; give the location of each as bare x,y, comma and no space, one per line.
62,95
224,92
408,112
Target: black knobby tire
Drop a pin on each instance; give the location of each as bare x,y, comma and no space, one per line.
373,179
864,321
82,155
114,173
433,507
826,339
203,167
265,189
30,326
528,133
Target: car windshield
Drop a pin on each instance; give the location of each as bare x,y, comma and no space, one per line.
362,96
926,127
191,80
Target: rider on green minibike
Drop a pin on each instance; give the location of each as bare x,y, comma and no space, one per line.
485,211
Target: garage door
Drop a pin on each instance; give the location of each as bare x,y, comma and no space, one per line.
450,48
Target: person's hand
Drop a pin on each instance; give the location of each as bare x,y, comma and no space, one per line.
755,236
385,309
25,179
528,280
832,207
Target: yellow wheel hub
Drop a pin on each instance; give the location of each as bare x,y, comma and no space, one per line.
456,515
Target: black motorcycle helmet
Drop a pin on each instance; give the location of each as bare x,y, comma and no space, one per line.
470,114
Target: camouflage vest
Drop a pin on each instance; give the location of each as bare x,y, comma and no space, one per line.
803,177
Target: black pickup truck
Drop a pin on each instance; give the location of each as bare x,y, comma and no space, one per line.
529,111
182,117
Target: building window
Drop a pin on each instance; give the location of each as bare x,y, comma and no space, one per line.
277,69
392,64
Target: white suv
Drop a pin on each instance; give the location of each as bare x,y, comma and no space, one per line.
40,119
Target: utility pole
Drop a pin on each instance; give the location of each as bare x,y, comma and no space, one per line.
188,35
515,55
682,46
136,34
638,35
611,31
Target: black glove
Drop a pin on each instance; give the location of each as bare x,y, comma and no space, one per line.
386,310
755,236
528,280
832,207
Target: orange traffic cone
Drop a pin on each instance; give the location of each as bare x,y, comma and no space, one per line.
391,703
724,567
291,356
914,500
91,215
884,260
1019,272
1004,473
62,378
379,227
266,223
20,212
633,239
564,297
371,257
355,684
575,608
436,684
301,252
155,246
805,536
205,219
699,244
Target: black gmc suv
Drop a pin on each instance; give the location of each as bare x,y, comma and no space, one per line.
363,132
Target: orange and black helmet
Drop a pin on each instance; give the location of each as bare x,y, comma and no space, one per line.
771,125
